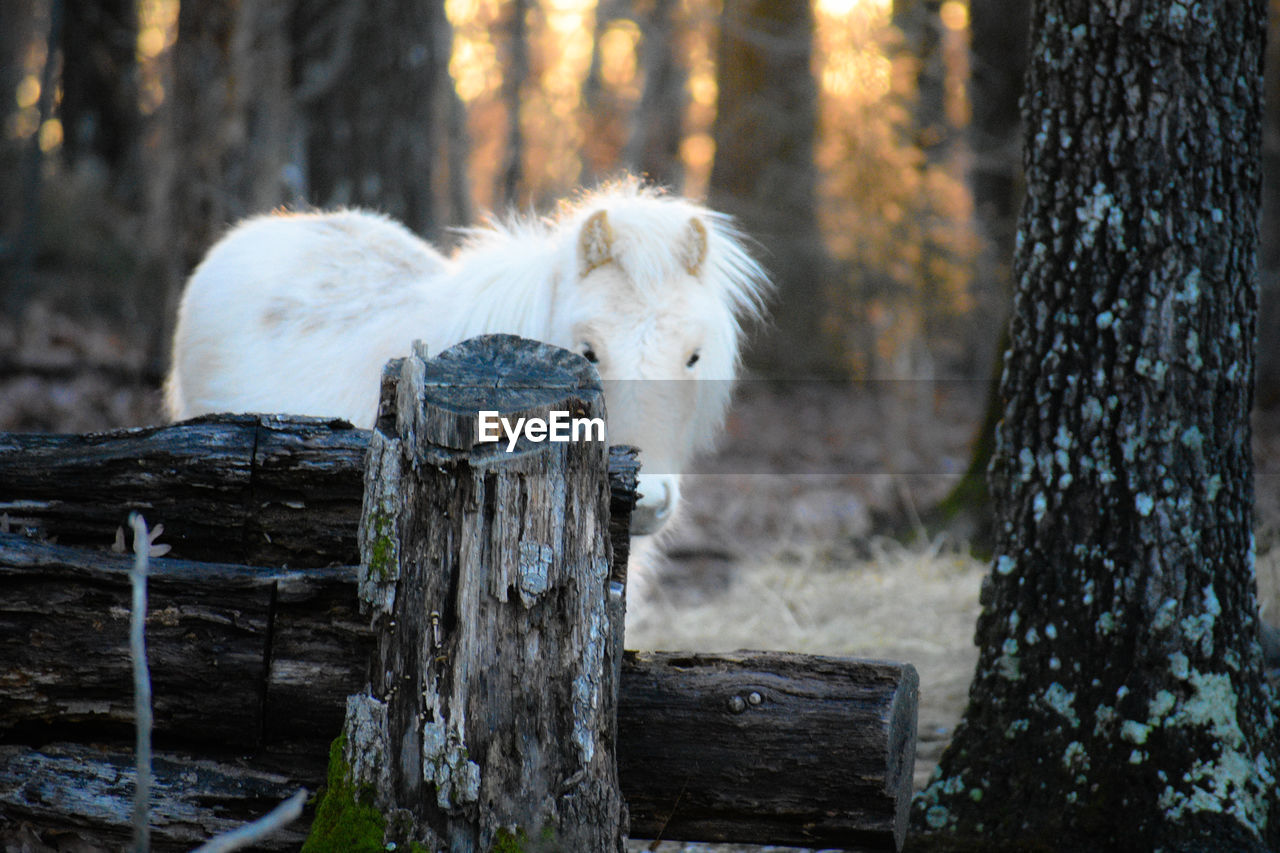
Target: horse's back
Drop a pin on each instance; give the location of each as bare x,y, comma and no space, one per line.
291,313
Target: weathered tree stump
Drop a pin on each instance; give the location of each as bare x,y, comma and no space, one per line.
492,709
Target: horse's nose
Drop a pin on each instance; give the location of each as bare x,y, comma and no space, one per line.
658,496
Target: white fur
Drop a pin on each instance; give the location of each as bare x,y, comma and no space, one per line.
298,313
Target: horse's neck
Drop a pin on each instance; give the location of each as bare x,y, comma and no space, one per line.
508,286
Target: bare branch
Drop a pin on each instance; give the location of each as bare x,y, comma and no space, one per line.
280,816
141,684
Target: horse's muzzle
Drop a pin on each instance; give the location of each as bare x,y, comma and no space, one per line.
657,502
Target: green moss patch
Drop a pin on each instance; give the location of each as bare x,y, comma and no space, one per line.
346,819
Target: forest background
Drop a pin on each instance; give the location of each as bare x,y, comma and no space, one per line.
842,134
872,148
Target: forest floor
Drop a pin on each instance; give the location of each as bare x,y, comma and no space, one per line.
794,531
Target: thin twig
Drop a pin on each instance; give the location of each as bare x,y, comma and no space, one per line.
283,814
141,685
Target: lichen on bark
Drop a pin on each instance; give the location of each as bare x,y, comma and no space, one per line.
1119,702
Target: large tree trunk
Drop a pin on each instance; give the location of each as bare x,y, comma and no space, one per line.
998,61
1119,700
656,128
372,80
764,171
224,140
515,76
99,106
20,21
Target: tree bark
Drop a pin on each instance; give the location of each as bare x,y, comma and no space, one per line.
81,797
259,490
779,704
250,489
764,172
824,728
1119,701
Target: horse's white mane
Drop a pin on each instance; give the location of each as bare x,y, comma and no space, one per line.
520,260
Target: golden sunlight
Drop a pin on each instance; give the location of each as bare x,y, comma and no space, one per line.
618,54
702,86
461,10
569,25
473,67
955,15
27,94
50,135
839,8
157,31
851,61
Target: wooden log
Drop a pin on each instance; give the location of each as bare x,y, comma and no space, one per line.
236,652
491,715
78,790
261,490
320,651
251,489
759,723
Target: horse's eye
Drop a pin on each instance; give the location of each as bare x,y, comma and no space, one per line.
590,354
693,359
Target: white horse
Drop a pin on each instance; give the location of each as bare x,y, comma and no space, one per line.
298,313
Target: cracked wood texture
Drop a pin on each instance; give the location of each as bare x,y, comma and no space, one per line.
824,760
1119,701
259,490
252,664
492,712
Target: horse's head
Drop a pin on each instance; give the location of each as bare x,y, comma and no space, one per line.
655,306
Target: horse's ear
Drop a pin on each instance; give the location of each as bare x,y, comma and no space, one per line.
595,243
693,246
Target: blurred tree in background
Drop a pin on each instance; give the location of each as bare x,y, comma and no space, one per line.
898,217
764,172
869,146
98,104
